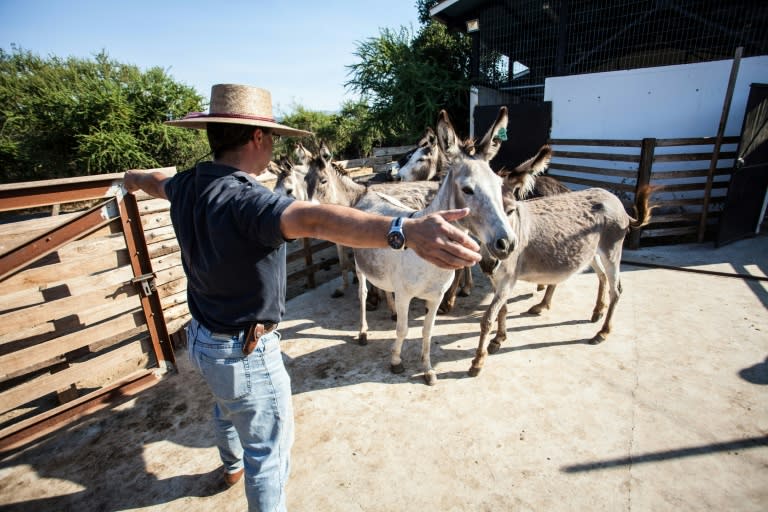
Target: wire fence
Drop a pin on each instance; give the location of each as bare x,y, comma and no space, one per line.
523,42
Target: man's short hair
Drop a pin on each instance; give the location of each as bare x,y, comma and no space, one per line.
223,137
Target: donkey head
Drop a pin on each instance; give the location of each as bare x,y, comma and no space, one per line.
474,184
301,155
322,179
423,162
290,182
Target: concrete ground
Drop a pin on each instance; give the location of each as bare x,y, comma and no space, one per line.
669,414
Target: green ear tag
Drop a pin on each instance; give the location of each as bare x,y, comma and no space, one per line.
502,134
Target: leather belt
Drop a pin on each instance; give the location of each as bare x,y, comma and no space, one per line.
253,334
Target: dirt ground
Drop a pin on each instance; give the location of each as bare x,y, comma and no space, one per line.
669,414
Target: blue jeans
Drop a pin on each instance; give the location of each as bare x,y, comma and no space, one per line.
252,412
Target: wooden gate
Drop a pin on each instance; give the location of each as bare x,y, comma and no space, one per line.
81,321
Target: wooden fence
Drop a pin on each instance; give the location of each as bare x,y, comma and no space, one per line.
677,167
91,307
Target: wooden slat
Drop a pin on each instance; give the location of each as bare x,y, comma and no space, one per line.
679,231
689,173
87,292
159,234
696,201
104,366
692,157
163,248
15,234
666,218
122,319
700,141
393,151
594,183
610,157
74,260
169,274
156,220
680,187
630,143
27,430
602,171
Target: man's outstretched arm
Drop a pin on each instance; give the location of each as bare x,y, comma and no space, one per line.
153,183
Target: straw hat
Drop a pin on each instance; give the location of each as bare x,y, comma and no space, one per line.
238,104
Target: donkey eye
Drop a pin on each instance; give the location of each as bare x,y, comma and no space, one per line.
467,190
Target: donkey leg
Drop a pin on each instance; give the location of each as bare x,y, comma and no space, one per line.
449,299
501,330
362,292
545,303
466,281
430,377
602,279
485,327
374,296
612,268
344,265
391,305
401,330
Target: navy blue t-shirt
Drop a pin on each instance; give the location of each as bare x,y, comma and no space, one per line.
232,249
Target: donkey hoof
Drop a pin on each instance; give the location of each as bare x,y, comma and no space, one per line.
463,293
540,287
493,347
362,339
397,368
599,338
394,317
336,294
474,371
596,317
536,310
430,378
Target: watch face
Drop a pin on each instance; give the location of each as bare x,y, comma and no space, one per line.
396,240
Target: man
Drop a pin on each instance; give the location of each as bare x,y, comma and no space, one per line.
232,233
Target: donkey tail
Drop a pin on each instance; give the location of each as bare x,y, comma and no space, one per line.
642,207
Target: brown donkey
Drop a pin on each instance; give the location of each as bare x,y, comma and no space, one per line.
555,238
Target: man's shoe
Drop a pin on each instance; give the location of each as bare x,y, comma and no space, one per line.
232,478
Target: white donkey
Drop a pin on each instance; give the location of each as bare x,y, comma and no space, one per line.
469,182
328,183
557,237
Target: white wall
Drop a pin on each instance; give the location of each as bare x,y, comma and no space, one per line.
664,102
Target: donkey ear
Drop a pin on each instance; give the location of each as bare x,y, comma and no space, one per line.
446,136
340,168
273,168
324,152
538,163
429,139
491,142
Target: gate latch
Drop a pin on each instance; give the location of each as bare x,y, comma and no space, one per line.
147,282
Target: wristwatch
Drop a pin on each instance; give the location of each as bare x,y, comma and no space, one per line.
396,237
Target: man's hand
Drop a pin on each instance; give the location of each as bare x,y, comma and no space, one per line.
441,243
153,182
131,180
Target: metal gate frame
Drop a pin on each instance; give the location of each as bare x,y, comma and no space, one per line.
115,206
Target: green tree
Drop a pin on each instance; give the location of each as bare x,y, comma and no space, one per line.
407,79
73,117
348,133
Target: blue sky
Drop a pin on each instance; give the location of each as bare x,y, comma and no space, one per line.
297,49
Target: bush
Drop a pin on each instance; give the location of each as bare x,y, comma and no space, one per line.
74,117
